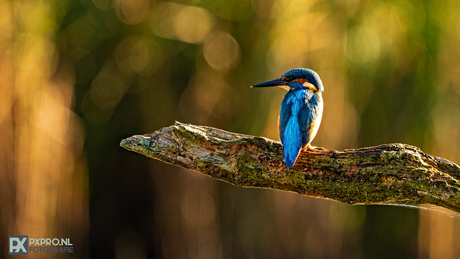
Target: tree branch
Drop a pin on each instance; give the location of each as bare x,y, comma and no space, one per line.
390,173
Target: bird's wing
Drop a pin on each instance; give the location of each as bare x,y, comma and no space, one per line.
290,134
283,119
292,141
308,117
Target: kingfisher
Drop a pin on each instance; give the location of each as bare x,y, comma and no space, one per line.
301,110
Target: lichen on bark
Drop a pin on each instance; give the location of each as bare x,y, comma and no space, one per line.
390,173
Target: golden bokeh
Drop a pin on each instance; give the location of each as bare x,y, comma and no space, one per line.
132,11
47,187
78,76
221,51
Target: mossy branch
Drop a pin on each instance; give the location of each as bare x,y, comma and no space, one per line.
390,173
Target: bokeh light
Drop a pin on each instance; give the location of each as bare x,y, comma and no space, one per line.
78,76
221,51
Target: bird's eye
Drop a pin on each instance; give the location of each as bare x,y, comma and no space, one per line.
288,78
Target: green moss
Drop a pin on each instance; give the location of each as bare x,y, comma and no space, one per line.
393,158
200,163
191,138
455,198
374,178
323,162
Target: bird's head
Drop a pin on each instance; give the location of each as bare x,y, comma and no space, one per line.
299,78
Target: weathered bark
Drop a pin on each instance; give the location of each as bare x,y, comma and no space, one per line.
390,173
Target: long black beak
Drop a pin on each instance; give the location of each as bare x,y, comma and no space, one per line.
276,82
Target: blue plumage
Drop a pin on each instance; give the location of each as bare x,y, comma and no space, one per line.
301,110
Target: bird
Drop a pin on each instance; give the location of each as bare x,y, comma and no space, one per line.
301,110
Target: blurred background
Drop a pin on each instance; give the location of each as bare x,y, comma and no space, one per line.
78,76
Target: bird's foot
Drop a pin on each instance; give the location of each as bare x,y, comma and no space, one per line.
314,149
308,147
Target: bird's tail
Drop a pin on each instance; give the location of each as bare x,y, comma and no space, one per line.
292,143
290,157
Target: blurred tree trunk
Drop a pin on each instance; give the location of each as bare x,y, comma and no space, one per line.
7,176
43,193
392,173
